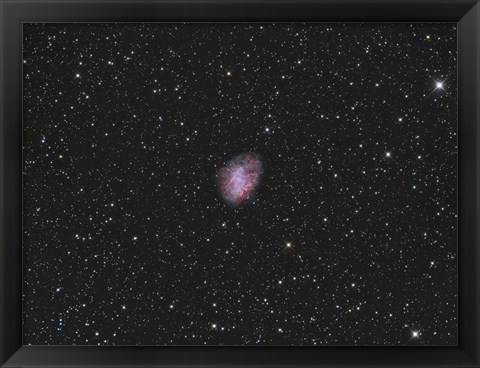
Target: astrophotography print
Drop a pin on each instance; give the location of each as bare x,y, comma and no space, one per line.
240,184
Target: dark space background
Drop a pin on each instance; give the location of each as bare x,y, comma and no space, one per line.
349,239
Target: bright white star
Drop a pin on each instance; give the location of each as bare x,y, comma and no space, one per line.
439,85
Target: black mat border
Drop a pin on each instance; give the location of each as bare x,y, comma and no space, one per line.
14,12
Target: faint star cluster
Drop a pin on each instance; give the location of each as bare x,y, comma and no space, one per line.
350,238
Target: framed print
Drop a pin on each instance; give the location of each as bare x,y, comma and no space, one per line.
198,183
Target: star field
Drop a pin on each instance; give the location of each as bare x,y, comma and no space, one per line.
349,238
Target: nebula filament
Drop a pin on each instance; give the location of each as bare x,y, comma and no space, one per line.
239,178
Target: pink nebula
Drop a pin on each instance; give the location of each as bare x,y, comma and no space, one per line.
239,178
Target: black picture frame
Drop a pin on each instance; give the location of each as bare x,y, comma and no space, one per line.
15,12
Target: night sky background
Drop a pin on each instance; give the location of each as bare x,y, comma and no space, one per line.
349,238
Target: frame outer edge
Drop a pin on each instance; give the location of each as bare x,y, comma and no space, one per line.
10,199
475,13
476,9
469,190
3,358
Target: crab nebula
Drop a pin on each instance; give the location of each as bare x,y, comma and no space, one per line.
238,180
